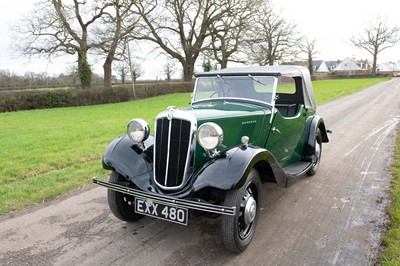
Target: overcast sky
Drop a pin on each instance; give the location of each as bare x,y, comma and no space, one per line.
331,23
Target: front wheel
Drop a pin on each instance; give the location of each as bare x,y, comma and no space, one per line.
238,230
121,205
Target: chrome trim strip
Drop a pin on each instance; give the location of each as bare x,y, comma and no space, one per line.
191,204
168,151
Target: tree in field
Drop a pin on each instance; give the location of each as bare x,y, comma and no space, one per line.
308,47
377,37
55,29
169,69
181,27
72,72
123,70
228,34
74,27
137,71
271,38
118,25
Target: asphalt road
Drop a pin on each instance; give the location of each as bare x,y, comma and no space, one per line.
333,218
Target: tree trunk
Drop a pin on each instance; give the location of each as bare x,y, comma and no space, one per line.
107,68
310,64
123,78
374,65
84,70
224,63
188,69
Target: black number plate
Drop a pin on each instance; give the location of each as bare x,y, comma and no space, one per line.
161,211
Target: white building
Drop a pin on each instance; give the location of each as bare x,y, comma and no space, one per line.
348,64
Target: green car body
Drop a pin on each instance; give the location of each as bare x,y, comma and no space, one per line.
244,126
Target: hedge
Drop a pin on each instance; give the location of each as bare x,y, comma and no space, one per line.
42,99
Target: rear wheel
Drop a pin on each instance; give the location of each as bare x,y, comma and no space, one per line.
121,205
238,230
317,154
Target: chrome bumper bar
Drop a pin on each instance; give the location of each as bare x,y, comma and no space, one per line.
185,203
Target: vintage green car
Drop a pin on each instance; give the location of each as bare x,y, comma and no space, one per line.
244,126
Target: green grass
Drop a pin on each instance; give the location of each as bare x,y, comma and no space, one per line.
391,239
45,153
328,90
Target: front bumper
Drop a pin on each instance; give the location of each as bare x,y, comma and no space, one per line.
185,203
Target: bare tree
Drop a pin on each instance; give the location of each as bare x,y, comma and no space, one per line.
169,69
271,38
137,71
60,27
123,70
180,27
308,47
228,34
119,25
55,28
376,38
72,72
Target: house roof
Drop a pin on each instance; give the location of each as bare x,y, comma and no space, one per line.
348,64
389,67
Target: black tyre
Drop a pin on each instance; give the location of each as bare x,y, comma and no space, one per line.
317,153
121,205
238,230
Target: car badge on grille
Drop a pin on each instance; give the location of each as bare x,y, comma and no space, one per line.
171,110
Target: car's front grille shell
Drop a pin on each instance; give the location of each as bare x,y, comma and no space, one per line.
173,141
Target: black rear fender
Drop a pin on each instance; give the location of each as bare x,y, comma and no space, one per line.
314,123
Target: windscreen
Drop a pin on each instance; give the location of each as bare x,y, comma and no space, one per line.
259,88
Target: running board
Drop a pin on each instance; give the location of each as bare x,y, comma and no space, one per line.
295,171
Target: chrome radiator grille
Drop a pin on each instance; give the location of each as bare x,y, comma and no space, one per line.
172,148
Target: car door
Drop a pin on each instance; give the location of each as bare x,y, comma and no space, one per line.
287,136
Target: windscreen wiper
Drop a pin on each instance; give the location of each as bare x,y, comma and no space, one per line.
226,82
256,80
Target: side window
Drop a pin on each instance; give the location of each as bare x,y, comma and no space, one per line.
286,85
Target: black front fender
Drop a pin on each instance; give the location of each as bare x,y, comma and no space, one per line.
230,170
128,159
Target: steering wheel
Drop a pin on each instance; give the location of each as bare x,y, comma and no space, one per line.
215,92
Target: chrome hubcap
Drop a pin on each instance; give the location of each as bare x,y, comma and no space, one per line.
250,210
248,214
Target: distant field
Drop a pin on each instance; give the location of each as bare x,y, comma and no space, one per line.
45,153
328,90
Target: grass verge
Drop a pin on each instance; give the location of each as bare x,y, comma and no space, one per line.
45,153
391,239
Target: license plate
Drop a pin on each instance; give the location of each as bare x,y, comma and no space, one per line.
161,211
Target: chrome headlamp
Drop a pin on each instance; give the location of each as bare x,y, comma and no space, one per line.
210,135
138,130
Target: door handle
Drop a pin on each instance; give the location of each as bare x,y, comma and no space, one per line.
275,130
